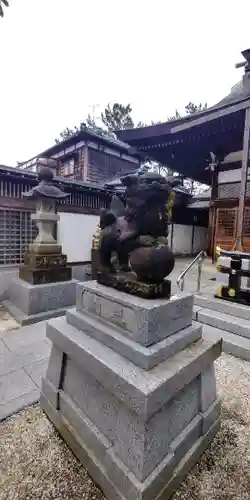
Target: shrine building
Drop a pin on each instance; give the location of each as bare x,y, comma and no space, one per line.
211,147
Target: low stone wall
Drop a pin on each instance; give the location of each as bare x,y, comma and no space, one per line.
7,275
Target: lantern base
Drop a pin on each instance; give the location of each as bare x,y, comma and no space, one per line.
30,303
47,268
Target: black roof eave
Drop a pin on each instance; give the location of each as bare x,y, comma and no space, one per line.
86,135
20,174
184,144
181,124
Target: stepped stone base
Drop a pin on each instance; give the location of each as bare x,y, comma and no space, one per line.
115,480
226,320
131,388
32,303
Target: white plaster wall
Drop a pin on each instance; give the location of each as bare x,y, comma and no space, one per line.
170,236
75,232
200,239
231,176
182,239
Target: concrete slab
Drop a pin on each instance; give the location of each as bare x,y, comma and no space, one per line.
3,348
27,355
37,371
9,407
24,357
14,385
25,336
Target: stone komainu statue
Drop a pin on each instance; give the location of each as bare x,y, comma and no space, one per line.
137,230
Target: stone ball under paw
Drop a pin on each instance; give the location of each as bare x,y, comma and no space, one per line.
152,264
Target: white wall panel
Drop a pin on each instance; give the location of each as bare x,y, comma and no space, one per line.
75,233
182,239
200,239
231,176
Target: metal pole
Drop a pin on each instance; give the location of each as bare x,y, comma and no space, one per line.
243,185
199,274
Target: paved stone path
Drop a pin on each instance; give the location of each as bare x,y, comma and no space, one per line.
23,361
24,352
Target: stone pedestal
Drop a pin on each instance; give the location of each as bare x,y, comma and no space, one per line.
131,388
233,278
32,303
45,268
44,288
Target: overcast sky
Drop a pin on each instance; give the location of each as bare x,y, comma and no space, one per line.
58,58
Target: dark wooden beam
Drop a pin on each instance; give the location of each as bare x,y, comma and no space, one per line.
243,184
11,203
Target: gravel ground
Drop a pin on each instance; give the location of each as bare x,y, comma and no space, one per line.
35,464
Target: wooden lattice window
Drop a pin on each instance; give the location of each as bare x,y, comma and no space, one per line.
246,226
17,231
226,220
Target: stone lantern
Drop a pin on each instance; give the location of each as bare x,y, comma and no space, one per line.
44,288
44,261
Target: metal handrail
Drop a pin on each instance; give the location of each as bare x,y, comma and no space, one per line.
199,258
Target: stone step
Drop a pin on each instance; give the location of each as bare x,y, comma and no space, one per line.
223,306
231,344
116,339
226,322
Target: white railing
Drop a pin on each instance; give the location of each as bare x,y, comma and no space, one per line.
199,259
